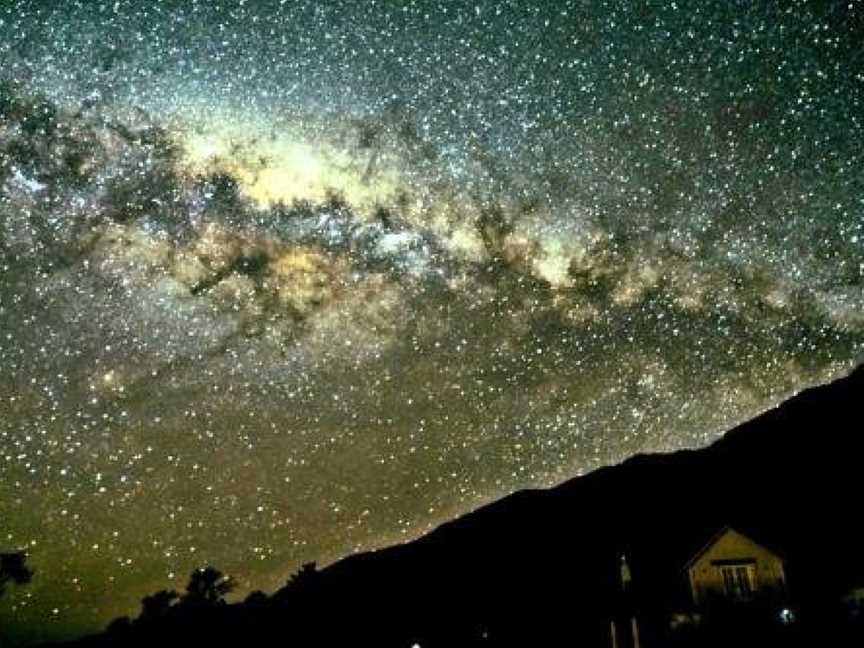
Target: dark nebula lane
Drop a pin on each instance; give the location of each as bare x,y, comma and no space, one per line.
282,281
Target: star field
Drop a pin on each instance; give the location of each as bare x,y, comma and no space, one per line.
282,281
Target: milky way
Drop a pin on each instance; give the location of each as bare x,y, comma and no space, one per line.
282,281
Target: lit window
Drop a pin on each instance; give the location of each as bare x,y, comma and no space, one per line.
739,580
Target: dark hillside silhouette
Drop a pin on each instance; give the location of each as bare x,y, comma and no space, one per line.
541,568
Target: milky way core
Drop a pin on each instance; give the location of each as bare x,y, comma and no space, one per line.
283,281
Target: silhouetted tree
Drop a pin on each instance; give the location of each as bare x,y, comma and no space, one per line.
256,599
301,589
157,605
305,579
119,626
207,586
13,567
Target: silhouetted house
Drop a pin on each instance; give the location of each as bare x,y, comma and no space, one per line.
734,568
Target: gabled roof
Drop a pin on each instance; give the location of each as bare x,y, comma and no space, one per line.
716,537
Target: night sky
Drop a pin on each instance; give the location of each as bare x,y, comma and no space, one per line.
282,281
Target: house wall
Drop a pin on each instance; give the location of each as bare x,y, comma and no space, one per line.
706,579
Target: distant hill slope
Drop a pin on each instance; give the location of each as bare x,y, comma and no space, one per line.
791,478
540,567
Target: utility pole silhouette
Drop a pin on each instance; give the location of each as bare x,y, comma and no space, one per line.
624,627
